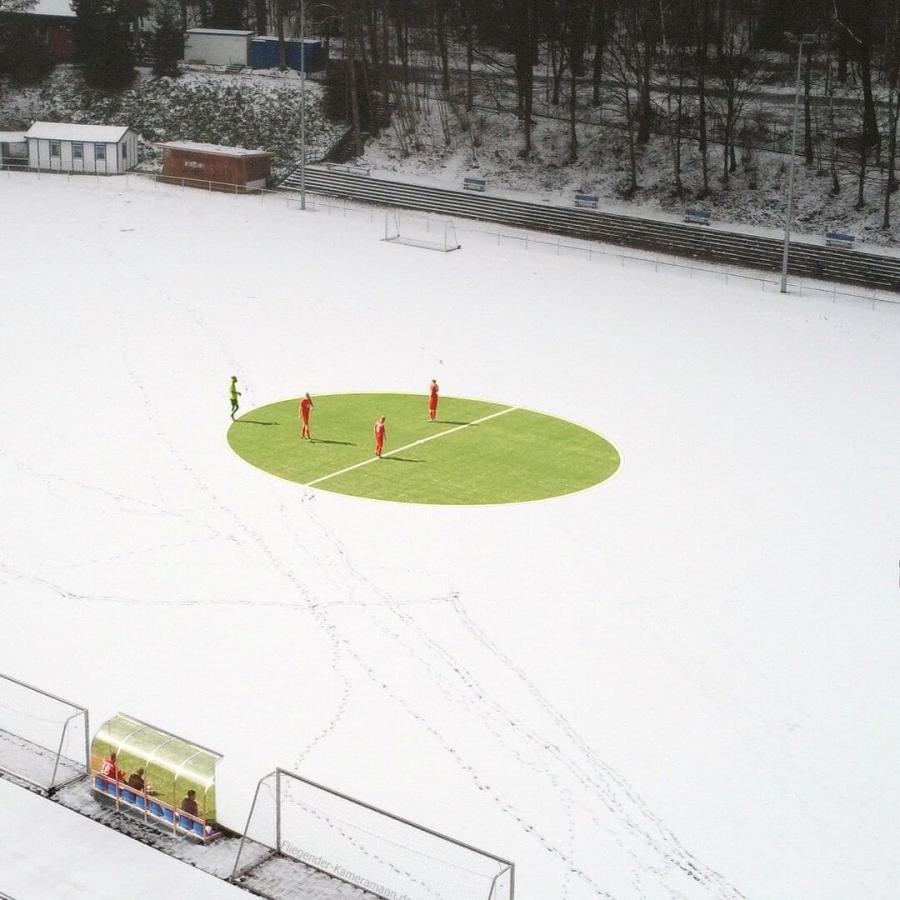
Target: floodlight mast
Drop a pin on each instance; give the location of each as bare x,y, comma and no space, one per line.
793,39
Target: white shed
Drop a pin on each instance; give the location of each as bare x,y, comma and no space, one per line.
66,147
217,46
13,148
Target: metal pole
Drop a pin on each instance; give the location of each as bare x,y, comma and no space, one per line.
59,750
303,104
237,859
278,810
790,196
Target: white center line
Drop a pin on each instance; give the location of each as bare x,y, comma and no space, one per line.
424,440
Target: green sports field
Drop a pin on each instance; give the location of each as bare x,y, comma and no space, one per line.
476,452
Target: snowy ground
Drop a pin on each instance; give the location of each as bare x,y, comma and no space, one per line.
41,842
681,683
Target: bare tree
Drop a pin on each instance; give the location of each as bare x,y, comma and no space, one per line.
736,69
624,58
891,67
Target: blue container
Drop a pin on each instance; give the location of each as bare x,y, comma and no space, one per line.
264,54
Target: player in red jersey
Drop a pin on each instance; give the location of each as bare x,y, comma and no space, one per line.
109,769
432,401
306,405
380,435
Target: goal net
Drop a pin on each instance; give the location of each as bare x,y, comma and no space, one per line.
313,830
420,231
43,738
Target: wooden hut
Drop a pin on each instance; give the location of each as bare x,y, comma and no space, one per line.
213,167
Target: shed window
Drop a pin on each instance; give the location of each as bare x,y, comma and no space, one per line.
100,152
54,149
78,151
124,152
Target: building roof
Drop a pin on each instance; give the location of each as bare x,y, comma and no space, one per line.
217,31
215,149
70,131
313,42
53,8
12,137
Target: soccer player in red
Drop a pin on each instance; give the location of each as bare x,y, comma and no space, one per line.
380,435
432,401
306,405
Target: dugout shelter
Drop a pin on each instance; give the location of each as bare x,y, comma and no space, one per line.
213,167
171,769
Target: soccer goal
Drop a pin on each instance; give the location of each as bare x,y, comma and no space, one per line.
44,740
311,829
420,231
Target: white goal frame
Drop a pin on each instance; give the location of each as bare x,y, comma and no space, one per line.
443,239
64,771
499,885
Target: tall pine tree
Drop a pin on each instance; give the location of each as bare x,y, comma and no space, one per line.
103,43
166,44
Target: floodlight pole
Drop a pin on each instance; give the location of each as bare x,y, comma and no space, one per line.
302,104
809,39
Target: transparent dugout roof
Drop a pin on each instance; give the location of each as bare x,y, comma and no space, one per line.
157,748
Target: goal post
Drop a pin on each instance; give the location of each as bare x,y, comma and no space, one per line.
420,231
297,825
44,739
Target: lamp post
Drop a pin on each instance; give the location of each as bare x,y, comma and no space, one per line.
792,39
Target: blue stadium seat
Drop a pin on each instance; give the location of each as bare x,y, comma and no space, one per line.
168,814
111,788
139,802
127,796
155,808
185,823
198,829
99,783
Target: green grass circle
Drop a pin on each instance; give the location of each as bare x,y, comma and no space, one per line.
476,452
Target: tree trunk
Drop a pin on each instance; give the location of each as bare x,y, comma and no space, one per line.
702,58
891,186
870,122
350,61
645,110
527,108
599,46
470,59
440,23
372,28
632,154
403,49
282,46
573,103
557,67
861,186
807,111
842,61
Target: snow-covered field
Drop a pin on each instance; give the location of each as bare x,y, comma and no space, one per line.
681,683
